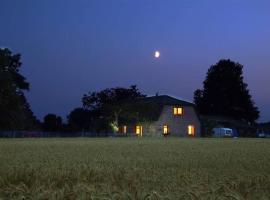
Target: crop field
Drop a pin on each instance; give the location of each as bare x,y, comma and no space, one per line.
134,168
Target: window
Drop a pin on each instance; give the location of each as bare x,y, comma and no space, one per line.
228,133
165,129
177,111
191,130
139,130
124,129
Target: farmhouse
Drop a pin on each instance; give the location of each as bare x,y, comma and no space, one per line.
160,116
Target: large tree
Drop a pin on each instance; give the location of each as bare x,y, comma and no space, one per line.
107,103
80,119
15,112
225,93
52,123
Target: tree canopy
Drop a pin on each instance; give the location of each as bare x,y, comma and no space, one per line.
107,105
52,123
80,119
15,112
225,93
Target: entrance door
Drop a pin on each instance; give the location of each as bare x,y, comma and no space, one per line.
139,130
191,130
166,130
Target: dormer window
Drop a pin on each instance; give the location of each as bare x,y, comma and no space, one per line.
177,111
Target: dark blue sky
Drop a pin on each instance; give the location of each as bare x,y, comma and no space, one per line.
71,47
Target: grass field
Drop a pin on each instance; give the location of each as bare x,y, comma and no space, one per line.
134,168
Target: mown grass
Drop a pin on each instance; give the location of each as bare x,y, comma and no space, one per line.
134,168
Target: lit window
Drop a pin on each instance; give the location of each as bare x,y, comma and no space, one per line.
124,129
139,130
175,111
178,111
191,130
165,129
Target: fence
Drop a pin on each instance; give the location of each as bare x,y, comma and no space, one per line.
40,134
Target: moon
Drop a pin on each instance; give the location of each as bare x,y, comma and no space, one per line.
157,54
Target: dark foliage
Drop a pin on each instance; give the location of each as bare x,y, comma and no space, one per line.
110,97
105,106
80,119
15,112
225,93
52,123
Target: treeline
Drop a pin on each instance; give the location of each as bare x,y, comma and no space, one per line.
224,93
100,112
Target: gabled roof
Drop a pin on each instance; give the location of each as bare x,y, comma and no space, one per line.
166,100
148,109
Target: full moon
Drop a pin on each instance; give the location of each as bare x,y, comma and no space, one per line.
157,54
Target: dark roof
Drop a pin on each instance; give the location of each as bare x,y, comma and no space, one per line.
148,109
166,100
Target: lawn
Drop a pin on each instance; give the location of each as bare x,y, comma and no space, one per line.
134,168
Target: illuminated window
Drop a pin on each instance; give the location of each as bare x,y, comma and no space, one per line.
124,129
178,111
191,130
139,130
175,111
165,129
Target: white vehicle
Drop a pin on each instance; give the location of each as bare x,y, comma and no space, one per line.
222,132
261,135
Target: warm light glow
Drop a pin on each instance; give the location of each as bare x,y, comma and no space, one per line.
178,111
139,130
165,129
115,128
124,129
175,111
191,130
157,54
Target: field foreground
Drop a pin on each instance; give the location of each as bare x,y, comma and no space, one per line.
134,168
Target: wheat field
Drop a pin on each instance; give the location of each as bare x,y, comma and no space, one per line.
134,168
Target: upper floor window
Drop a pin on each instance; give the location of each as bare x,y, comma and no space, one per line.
177,111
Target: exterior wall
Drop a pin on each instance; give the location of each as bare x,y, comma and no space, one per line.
177,124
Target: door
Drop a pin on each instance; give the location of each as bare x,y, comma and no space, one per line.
138,130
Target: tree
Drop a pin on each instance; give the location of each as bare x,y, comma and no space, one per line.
107,103
80,119
15,112
225,93
52,123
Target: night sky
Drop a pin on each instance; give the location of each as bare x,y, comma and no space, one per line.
71,47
